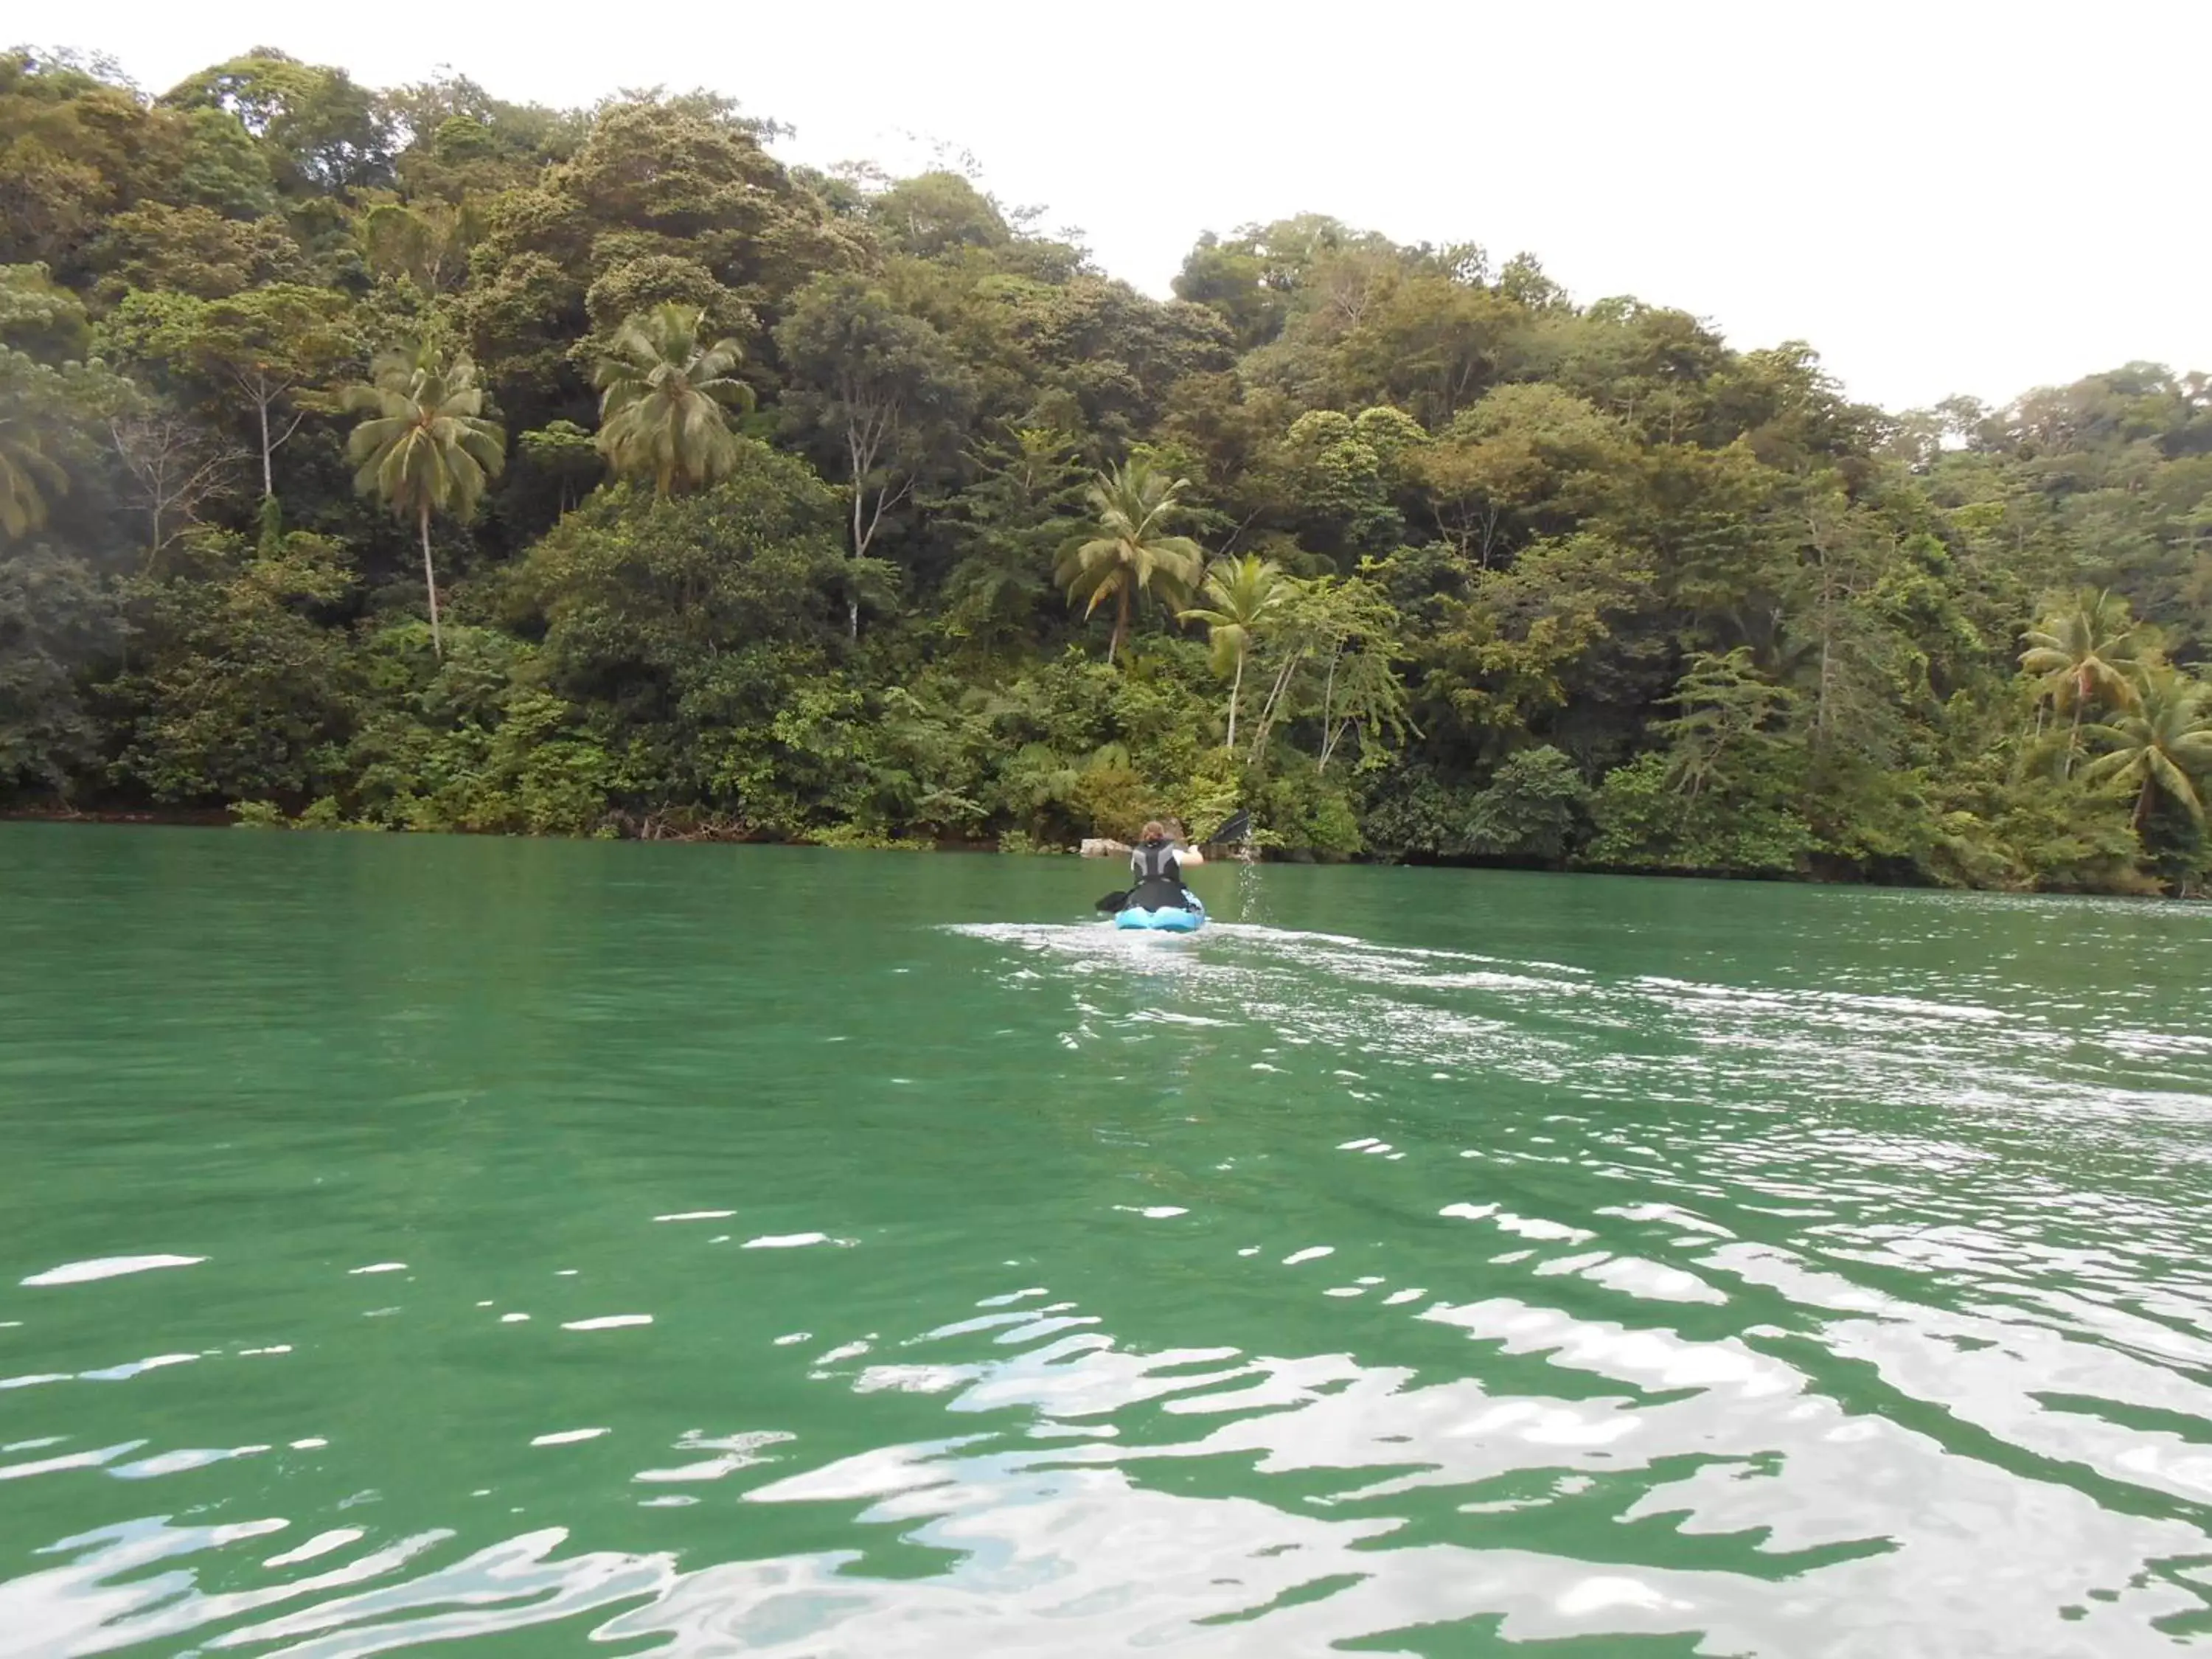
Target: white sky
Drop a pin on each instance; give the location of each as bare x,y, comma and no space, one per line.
1950,196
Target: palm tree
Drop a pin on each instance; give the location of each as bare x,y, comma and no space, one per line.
1133,557
2162,746
426,446
1240,594
26,470
2083,652
662,396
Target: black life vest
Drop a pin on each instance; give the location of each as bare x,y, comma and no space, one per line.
1155,860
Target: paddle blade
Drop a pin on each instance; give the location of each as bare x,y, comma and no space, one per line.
1112,903
1238,828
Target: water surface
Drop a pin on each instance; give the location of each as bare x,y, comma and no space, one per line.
540,1248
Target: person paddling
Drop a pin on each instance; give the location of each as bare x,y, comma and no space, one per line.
1157,870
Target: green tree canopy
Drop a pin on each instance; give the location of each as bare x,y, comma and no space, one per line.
322,131
1242,596
425,447
28,476
2084,653
1134,553
663,391
1501,575
877,388
2162,745
261,354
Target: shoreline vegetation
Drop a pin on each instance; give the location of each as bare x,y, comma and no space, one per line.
265,816
414,459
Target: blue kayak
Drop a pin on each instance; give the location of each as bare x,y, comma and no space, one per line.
1168,918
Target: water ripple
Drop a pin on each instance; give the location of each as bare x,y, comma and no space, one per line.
1251,1294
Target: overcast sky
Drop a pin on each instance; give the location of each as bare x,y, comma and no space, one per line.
1944,197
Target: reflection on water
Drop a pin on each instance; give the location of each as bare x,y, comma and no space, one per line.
1278,1289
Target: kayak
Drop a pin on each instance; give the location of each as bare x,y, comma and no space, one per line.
1168,918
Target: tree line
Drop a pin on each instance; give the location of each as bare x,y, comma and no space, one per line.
413,458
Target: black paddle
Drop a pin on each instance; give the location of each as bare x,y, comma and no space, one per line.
1238,828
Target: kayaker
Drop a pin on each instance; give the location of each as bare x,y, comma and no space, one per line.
1157,870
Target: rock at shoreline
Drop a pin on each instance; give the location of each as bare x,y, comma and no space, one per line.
1099,846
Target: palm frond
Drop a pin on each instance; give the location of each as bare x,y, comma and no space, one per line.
661,399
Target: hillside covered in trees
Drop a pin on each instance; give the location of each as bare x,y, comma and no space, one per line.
419,460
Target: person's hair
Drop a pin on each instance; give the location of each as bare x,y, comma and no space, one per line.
1153,830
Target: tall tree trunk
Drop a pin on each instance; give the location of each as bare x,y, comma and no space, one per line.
2072,738
430,587
1330,729
859,539
268,465
1235,686
1827,658
1266,723
1121,621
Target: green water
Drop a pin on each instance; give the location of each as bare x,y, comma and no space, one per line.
609,1249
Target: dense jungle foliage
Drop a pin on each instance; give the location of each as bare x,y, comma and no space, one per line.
415,459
